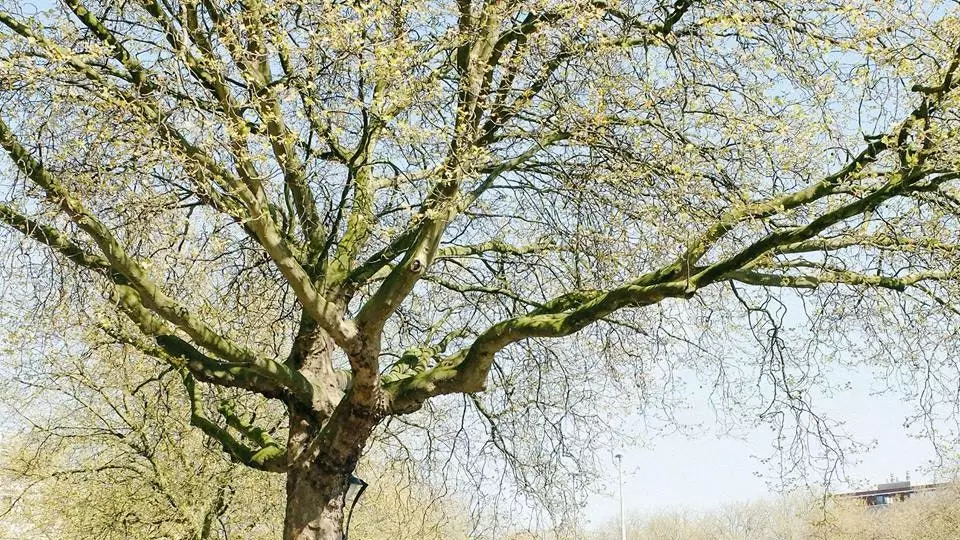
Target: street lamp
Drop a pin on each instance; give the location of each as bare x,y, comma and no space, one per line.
355,487
623,526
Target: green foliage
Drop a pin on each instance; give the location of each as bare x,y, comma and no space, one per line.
104,450
332,215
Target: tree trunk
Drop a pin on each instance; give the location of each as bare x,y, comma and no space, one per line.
324,442
314,504
315,485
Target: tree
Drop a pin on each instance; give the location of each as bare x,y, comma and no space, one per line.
802,516
354,208
101,456
931,515
99,446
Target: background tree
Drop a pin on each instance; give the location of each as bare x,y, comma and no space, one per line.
97,445
104,453
934,515
352,208
800,516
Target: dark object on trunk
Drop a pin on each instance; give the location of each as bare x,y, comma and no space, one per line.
361,486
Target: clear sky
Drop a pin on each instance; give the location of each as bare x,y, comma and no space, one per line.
707,471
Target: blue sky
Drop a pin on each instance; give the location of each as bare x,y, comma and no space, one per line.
705,472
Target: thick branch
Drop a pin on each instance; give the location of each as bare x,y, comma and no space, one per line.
271,458
133,285
258,220
812,281
466,371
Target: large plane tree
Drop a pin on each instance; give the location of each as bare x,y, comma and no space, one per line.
351,208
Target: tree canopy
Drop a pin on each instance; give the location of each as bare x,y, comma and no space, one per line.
351,208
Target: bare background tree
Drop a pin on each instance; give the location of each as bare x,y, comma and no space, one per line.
98,445
932,515
338,212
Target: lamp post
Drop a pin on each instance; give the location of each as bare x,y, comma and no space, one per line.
623,526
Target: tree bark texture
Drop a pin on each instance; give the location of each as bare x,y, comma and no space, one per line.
315,500
324,444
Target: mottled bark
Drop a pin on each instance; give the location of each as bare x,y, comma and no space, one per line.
325,442
315,498
312,357
322,460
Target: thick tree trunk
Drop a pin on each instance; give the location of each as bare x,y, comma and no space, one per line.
320,473
314,504
324,443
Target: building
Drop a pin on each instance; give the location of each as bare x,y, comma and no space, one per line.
892,492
